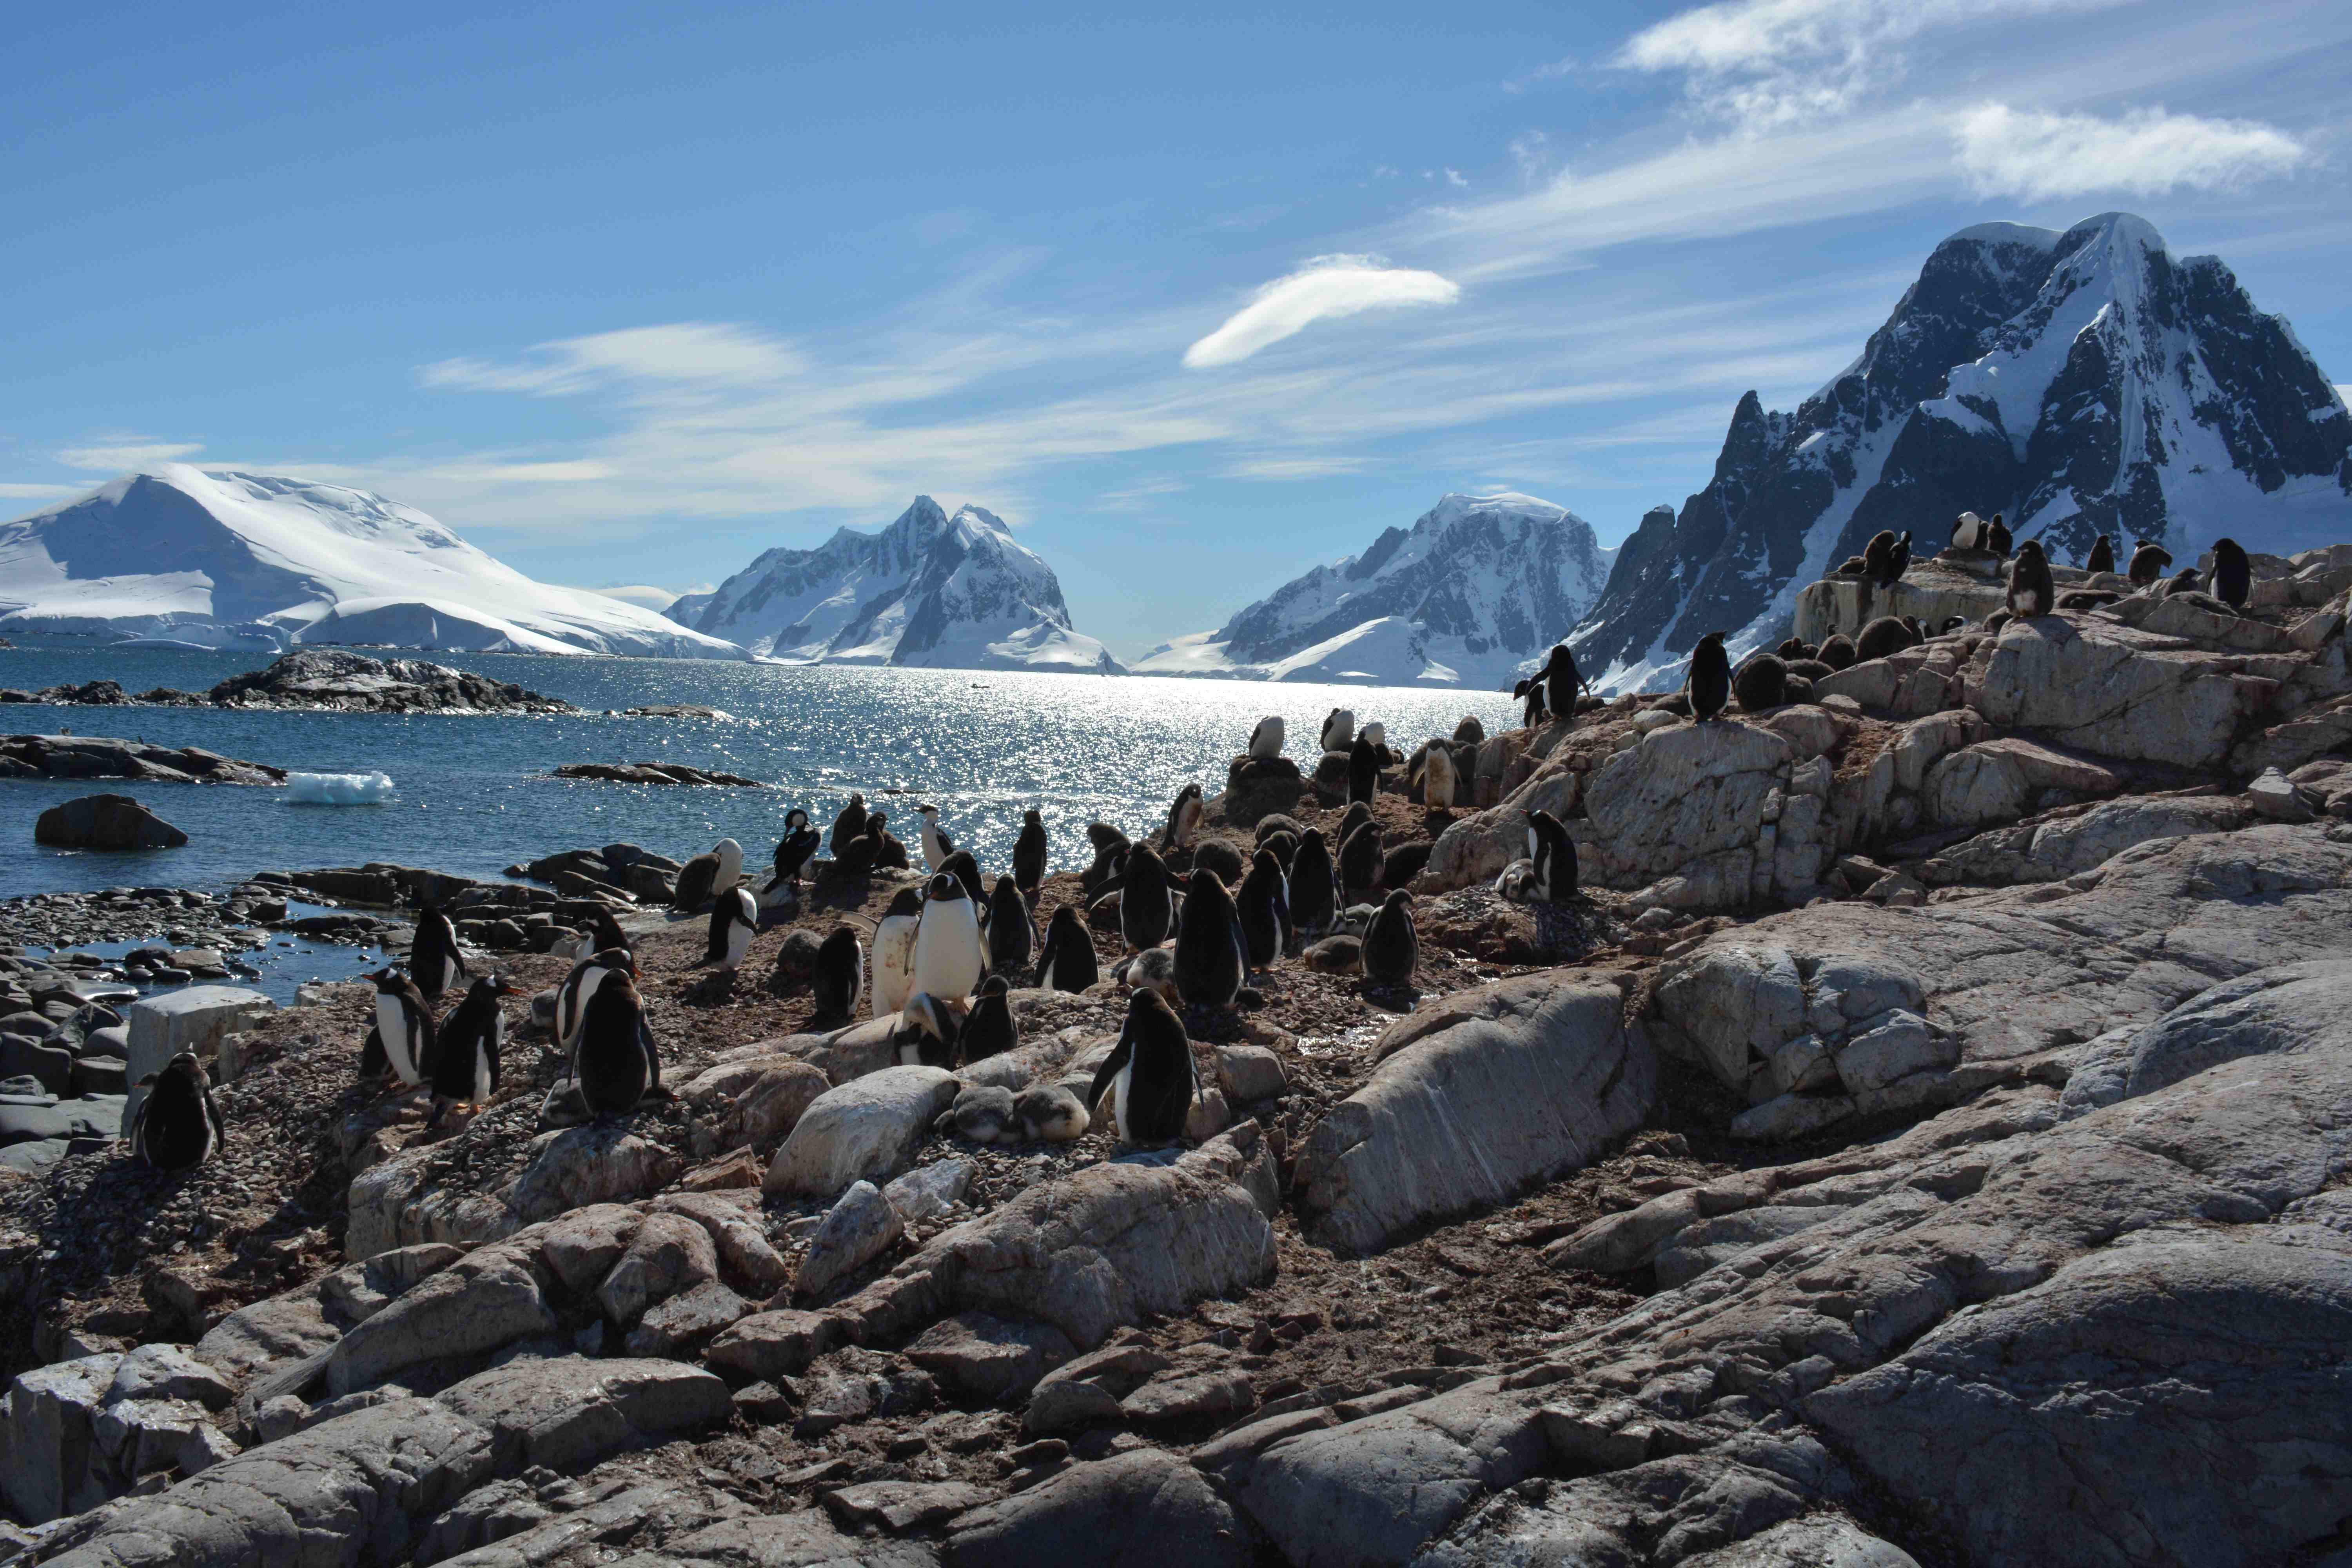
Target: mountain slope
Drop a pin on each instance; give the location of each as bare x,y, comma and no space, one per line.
953,592
227,557
2080,383
1475,587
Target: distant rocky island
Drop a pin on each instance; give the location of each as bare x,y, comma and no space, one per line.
326,681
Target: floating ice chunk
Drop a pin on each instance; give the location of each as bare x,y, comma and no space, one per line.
338,789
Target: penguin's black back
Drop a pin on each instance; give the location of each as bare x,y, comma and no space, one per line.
838,965
1882,636
1710,676
1314,892
1554,856
433,950
1208,945
2103,555
1359,856
2233,574
1069,952
1010,939
966,869
1159,1089
850,825
1029,854
468,1033
1837,651
1263,907
989,1031
1363,771
177,1127
1392,945
610,1059
1763,682
1146,908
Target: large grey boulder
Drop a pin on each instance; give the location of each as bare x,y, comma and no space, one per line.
105,822
2051,849
1505,1087
865,1130
432,1191
2121,692
859,1227
51,1423
1685,792
1138,1510
490,1297
668,1256
567,1412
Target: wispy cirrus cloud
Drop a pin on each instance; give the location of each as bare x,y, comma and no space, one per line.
2006,152
113,454
1326,287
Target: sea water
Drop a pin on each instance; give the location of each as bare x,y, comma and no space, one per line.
471,794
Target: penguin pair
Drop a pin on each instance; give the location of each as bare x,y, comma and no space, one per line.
601,933
1150,1074
1210,955
469,1043
177,1126
705,876
432,960
580,987
1265,739
1068,961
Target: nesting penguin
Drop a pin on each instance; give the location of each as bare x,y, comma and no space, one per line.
1210,956
1153,969
1391,944
614,1062
1709,682
1011,936
1265,739
926,1035
1146,900
1313,886
1149,1073
2233,574
177,1126
1364,761
1339,731
1029,854
580,987
734,916
894,951
950,955
840,977
432,960
850,823
1762,683
1049,1114
1437,780
2103,555
1068,961
937,844
1359,857
1837,651
470,1040
1263,907
1551,854
1882,636
989,1030
2030,591
403,1025
1971,532
890,854
2184,581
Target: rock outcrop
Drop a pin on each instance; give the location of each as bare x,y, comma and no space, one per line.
99,757
105,822
345,682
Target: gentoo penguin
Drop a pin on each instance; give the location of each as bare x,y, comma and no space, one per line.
404,1026
850,823
1068,963
792,850
2030,591
1314,884
1049,1114
432,960
1266,739
1210,957
1710,685
937,844
894,951
1029,854
1531,689
840,977
949,956
2103,555
1437,777
1878,557
1110,858
1339,729
587,977
777,901
706,876
177,1126
989,1030
1762,683
926,1036
1837,651
1147,902
1263,906
1392,945
1969,531
1880,638
1359,857
1900,560
601,933
1149,1073
1997,537
1011,937
2233,574
1363,770
1562,681
470,1039
965,869
1183,820
1552,854
614,1062
734,916
2150,562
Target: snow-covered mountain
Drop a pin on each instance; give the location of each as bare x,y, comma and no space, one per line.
951,593
1474,589
2081,382
224,558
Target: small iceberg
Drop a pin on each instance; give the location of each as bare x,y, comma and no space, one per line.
338,789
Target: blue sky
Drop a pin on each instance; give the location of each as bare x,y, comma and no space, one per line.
628,294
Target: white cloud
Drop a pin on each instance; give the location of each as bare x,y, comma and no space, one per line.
1326,287
1550,72
35,492
1531,151
2038,156
114,454
683,352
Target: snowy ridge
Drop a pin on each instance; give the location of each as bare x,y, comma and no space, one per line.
238,559
954,593
1476,588
2081,382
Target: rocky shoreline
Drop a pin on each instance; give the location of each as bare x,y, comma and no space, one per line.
322,680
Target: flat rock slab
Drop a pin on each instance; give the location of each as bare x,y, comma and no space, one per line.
901,1507
568,1412
1141,1510
865,1130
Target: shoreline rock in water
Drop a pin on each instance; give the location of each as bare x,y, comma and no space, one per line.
352,682
105,822
102,757
652,773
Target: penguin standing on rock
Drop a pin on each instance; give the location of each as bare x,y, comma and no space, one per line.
1011,938
1900,560
1339,729
580,987
1710,685
2030,591
1314,884
403,1024
1150,1074
432,960
965,869
1552,854
2103,555
1183,820
950,955
840,977
894,951
1146,900
1997,537
1029,855
1266,739
1391,944
1210,956
850,823
1878,557
1437,777
1263,906
2233,574
937,844
989,1031
615,1063
471,1037
1068,963
2148,563
1363,771
734,916
177,1126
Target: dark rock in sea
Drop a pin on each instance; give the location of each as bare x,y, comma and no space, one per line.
672,710
105,822
101,757
651,773
339,680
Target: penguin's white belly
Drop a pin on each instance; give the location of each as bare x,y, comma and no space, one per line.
948,956
1119,1086
587,989
449,972
738,942
482,1061
934,853
894,964
399,1049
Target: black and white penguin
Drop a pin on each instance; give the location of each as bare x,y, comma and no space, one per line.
989,1030
1969,531
1709,683
961,865
1364,761
1265,739
177,1126
792,850
1878,557
937,844
1153,969
1882,636
470,1039
1150,1074
1762,683
432,960
850,823
1996,538
580,987
1068,963
927,1031
1531,690
1900,561
1562,682
2233,574
1110,858
1949,625
2103,555
1263,907
734,916
2150,562
1314,884
614,1062
403,1024
1391,944
1552,854
1837,651
1011,936
1437,780
705,876
1338,732
1029,854
1210,956
1359,857
951,955
1283,847
894,951
2030,591
1183,820
1916,628
601,931
1146,899
840,977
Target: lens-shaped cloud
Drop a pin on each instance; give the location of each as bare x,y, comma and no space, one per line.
2022,153
1327,287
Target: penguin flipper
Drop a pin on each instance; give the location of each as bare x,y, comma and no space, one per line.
212,1114
1120,1054
1103,894
653,1053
